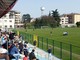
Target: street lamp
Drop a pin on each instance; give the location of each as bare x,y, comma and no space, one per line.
42,9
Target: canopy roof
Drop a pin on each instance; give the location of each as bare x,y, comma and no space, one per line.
5,6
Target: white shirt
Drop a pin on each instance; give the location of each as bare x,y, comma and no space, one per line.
2,50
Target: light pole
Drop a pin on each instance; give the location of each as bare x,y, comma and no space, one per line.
42,9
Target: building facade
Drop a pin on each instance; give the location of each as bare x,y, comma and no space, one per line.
70,19
7,21
10,19
64,19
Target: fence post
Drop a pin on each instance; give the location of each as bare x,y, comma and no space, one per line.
70,52
53,46
42,42
47,43
38,41
28,37
60,50
32,38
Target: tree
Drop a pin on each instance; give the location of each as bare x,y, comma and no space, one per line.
25,25
26,18
36,23
78,24
56,17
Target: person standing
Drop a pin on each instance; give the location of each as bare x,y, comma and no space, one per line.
49,53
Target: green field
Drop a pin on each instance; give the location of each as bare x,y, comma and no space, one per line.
57,36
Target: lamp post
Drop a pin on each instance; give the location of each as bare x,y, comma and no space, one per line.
42,9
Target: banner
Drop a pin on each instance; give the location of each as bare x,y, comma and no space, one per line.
35,40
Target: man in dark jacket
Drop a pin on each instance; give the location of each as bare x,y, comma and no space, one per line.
31,55
11,36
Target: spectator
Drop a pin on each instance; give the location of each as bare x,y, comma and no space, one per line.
31,55
3,54
26,57
11,36
21,47
25,49
34,42
49,53
14,53
34,58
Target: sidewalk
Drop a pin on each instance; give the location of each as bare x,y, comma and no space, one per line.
42,55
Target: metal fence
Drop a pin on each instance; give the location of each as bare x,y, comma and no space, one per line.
64,51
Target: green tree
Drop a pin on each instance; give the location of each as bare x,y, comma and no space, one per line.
56,16
36,23
25,25
78,24
26,18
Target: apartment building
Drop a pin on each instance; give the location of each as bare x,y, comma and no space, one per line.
10,19
64,19
73,17
70,19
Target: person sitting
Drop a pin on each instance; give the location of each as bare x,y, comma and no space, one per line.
20,47
13,52
26,49
31,55
3,54
34,58
26,57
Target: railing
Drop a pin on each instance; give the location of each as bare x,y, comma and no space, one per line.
64,51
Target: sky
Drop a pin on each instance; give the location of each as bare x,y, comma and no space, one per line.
33,7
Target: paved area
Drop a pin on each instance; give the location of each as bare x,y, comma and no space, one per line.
42,55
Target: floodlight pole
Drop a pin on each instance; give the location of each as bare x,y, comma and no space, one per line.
42,9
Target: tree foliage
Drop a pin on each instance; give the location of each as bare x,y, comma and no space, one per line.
52,20
26,18
78,24
56,16
25,25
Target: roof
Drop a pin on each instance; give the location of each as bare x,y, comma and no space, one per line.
70,14
5,6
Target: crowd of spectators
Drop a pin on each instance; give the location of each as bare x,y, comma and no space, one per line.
10,41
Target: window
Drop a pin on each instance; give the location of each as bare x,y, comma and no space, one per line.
62,21
5,25
5,20
10,26
10,20
17,26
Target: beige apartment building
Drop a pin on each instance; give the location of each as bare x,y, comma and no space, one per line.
73,18
70,19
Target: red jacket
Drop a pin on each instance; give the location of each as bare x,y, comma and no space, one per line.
25,58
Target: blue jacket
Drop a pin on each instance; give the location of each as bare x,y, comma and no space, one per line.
14,50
